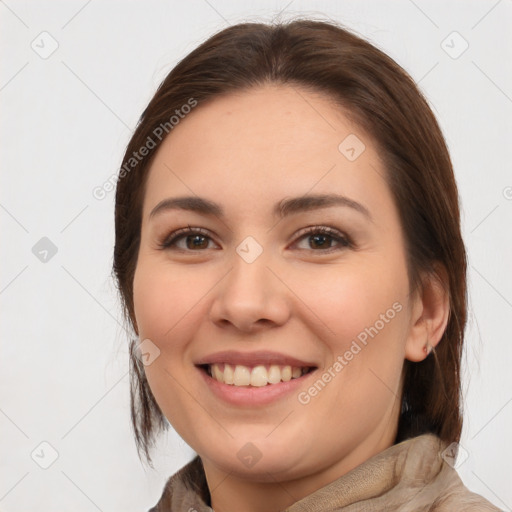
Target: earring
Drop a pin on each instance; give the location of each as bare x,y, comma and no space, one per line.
427,348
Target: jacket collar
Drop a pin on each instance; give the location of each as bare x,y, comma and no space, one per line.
411,475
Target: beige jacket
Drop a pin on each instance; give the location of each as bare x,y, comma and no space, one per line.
410,476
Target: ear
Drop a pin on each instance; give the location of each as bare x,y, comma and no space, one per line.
430,313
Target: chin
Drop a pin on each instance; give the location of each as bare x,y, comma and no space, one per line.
259,460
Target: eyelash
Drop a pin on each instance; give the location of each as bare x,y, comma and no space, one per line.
337,236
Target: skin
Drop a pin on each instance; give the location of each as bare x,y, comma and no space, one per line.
248,151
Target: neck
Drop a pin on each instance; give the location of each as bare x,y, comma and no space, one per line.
230,493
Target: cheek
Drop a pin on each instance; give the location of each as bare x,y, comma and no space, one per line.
363,323
165,303
364,308
164,299
354,303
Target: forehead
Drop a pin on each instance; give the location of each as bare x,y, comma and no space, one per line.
270,141
277,121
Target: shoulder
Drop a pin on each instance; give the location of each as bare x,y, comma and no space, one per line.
456,496
185,490
467,501
426,482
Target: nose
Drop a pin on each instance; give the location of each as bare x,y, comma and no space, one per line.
250,298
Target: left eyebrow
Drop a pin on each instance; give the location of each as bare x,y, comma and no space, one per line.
282,209
314,202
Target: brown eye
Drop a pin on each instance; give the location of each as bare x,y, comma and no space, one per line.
187,239
324,239
320,241
196,242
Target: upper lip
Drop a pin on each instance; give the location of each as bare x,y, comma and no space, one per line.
261,357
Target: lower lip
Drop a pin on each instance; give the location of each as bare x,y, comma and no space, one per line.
252,396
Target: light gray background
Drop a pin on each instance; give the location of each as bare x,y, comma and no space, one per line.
66,120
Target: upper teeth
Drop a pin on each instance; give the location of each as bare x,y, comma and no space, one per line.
258,376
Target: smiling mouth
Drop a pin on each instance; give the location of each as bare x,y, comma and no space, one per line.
254,376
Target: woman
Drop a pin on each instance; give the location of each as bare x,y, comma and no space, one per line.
289,255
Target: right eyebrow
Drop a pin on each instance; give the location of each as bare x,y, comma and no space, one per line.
190,203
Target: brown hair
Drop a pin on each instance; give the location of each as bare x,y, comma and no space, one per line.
381,98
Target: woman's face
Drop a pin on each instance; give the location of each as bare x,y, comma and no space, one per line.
294,263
